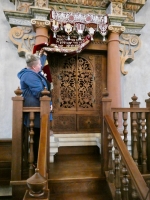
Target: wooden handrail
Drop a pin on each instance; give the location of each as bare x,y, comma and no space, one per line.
130,109
133,171
42,153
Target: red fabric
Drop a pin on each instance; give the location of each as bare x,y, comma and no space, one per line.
38,47
46,70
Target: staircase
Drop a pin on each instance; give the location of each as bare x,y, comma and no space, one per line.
76,175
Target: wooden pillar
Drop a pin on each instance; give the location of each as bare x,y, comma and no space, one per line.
113,65
41,28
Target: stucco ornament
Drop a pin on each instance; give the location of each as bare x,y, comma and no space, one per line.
23,38
41,3
129,45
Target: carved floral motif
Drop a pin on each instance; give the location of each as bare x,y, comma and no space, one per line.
69,84
130,16
41,3
23,6
117,8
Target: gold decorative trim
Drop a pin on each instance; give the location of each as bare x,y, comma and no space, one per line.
116,29
129,45
40,23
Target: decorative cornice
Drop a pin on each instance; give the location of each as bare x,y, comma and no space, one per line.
116,29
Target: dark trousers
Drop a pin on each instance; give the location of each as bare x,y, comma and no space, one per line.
36,139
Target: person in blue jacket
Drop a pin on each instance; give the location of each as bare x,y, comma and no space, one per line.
32,82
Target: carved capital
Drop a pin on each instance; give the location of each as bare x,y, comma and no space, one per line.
40,23
116,29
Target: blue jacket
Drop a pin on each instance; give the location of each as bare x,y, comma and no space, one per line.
32,84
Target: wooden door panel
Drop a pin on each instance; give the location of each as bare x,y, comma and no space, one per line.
78,84
64,123
88,123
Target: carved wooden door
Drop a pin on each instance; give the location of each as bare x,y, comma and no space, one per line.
78,84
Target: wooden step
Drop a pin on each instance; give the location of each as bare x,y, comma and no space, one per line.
80,196
75,177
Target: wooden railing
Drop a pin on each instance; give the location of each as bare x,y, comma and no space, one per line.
17,133
41,172
128,167
125,149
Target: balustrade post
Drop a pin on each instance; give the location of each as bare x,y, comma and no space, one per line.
125,124
125,182
110,159
45,109
17,115
31,143
143,132
135,131
106,110
148,131
117,175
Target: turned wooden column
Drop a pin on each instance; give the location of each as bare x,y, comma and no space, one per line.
41,28
113,65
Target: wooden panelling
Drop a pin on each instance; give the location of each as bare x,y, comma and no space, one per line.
5,160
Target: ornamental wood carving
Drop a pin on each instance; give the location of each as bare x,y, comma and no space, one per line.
78,84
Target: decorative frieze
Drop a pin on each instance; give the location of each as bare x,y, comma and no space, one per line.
115,8
19,22
93,3
23,6
130,16
41,3
120,1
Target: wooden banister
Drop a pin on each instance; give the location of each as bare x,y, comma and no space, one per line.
42,154
133,171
